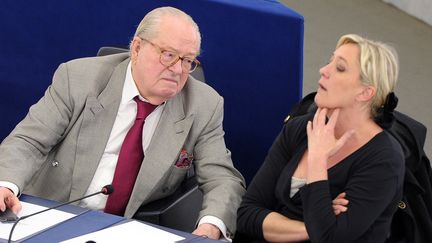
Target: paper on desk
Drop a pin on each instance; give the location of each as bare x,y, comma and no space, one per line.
35,223
130,232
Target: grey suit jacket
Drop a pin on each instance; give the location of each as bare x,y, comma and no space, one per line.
54,152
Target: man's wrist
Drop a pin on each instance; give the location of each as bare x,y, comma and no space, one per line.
209,219
11,186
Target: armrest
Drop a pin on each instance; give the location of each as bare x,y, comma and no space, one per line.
177,211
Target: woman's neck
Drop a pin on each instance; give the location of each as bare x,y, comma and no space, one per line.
361,122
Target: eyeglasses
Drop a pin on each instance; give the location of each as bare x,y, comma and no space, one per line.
170,58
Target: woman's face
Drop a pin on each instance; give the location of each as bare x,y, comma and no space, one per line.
340,82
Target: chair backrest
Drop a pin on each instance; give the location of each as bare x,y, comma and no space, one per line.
412,221
179,210
198,73
109,50
304,106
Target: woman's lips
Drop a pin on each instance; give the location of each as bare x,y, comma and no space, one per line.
322,87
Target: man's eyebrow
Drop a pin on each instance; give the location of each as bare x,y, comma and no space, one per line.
169,48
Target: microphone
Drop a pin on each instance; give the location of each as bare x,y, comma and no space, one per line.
106,190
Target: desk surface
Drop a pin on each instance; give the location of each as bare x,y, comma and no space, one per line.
85,222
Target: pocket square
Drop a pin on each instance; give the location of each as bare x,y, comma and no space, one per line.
185,159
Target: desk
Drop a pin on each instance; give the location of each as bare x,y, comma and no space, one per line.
85,222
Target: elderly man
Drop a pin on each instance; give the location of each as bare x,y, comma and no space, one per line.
136,120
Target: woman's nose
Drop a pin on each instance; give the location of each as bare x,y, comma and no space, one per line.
324,71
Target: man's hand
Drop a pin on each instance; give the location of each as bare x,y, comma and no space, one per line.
9,200
340,204
208,230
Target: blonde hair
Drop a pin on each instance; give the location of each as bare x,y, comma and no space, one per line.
379,67
148,27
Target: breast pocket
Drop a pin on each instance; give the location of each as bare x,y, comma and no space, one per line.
175,178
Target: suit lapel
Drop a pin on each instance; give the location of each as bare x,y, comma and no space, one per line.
164,149
98,119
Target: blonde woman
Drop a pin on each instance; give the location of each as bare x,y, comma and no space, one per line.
343,149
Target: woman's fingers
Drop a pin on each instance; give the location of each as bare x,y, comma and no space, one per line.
322,117
340,203
333,118
315,118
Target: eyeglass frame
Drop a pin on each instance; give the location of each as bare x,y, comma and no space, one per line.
162,50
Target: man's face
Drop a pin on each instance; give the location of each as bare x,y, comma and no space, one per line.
157,82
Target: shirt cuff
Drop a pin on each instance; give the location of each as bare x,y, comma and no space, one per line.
208,219
14,188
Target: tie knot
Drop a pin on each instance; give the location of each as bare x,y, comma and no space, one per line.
143,108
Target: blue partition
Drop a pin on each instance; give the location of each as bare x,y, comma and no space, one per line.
252,53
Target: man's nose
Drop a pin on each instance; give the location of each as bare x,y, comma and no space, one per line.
176,67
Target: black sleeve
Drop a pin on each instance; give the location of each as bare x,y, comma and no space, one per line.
260,199
370,189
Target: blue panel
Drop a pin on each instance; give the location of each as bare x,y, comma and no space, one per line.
252,54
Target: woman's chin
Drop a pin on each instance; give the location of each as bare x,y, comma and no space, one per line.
318,100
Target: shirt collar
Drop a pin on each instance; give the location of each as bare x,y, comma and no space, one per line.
130,89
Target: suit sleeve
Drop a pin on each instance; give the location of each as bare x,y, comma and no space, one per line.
222,185
26,148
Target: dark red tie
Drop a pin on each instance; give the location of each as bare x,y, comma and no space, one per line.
129,162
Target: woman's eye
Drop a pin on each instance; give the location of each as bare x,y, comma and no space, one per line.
340,68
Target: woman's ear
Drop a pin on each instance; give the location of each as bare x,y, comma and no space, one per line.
367,93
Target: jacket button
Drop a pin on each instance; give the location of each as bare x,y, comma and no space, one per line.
55,163
402,205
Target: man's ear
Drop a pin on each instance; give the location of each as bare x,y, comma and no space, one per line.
135,47
367,93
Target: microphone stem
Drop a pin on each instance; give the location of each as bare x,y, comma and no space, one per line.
57,206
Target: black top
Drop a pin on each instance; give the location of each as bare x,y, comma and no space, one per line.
372,178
